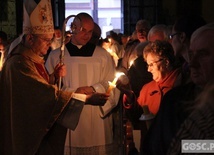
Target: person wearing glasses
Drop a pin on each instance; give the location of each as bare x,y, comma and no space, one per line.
180,39
184,112
160,59
130,54
31,105
138,74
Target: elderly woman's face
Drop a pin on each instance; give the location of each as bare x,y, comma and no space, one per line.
156,66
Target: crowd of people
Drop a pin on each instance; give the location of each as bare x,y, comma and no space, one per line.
57,101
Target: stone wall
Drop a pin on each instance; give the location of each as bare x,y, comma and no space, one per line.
8,18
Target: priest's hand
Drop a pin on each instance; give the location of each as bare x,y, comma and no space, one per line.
97,99
93,98
85,90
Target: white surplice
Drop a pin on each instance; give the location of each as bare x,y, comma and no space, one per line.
95,125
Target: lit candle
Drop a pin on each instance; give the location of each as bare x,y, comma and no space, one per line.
131,62
113,83
1,59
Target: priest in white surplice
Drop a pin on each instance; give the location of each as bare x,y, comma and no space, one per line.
88,65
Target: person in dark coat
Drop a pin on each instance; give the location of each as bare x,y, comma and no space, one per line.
179,103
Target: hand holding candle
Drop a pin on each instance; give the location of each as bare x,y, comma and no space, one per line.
113,83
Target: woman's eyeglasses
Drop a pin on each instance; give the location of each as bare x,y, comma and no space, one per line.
152,64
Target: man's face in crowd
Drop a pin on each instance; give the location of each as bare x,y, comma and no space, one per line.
141,34
202,58
84,31
41,43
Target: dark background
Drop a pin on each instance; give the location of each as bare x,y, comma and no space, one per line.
156,11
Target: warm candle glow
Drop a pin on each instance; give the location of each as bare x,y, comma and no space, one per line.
2,59
109,50
131,62
113,83
112,53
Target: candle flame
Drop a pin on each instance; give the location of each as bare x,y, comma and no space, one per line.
113,83
118,74
1,59
131,63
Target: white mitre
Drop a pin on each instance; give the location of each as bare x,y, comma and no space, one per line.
37,19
